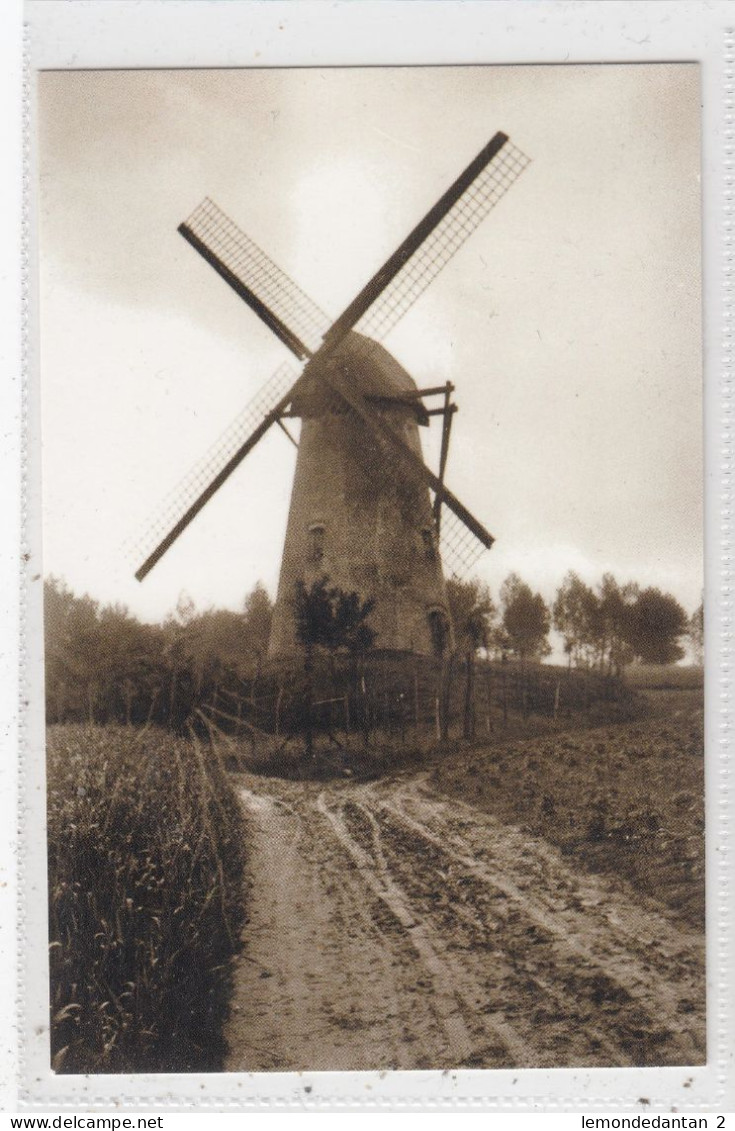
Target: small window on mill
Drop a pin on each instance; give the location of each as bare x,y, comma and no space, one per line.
316,541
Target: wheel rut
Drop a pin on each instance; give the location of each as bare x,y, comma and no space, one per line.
392,927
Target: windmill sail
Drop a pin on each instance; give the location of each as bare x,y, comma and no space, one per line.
428,248
458,547
185,501
267,290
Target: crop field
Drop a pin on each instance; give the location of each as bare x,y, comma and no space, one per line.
146,857
626,800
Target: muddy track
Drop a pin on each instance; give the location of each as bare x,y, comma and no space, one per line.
393,927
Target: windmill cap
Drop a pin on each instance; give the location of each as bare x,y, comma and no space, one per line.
372,371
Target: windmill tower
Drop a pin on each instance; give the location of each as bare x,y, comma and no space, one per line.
361,510
352,518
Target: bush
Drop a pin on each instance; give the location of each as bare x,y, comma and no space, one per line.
146,855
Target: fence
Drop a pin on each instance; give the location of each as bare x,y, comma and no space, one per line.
397,700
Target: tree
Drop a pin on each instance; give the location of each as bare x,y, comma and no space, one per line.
595,626
473,613
332,618
576,617
123,660
353,633
185,609
72,652
657,622
526,618
696,633
616,603
313,614
329,617
102,664
350,629
258,615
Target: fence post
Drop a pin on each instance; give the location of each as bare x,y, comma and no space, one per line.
365,713
504,669
416,701
469,698
445,691
278,709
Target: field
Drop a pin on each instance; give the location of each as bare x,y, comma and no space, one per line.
626,800
531,899
146,856
659,677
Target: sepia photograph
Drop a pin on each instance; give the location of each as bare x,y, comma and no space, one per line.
372,509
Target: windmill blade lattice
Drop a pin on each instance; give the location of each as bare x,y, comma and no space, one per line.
199,479
445,240
267,289
459,548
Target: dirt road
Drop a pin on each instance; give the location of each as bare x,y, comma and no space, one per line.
392,927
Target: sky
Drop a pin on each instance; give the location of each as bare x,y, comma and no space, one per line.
570,322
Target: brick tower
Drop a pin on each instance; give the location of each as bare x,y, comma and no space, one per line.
353,519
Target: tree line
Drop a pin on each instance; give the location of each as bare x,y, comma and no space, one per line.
603,628
104,665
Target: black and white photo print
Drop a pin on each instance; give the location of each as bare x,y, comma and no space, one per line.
371,417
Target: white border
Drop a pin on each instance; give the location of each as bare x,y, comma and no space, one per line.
188,33
10,448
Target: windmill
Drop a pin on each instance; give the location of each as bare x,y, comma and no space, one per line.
361,510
